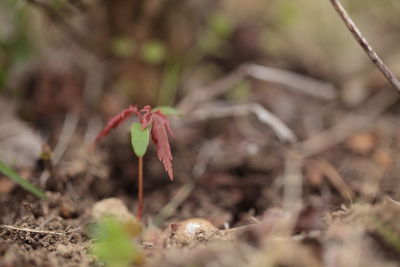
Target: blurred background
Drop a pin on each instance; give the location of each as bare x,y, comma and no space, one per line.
103,54
94,58
266,89
78,60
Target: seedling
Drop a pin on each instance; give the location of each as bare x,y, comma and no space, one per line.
112,244
153,122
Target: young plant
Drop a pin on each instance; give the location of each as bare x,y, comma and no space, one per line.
113,245
154,123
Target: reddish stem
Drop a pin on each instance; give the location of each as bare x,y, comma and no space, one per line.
140,189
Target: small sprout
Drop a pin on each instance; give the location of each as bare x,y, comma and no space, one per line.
220,25
112,244
153,52
123,47
154,123
11,174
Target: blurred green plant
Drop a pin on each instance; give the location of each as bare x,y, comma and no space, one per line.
113,244
214,37
11,174
170,83
153,52
388,233
211,41
220,24
123,47
287,14
15,42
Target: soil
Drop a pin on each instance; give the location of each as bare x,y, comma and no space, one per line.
246,192
242,195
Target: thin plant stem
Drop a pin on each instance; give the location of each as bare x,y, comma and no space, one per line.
365,45
140,189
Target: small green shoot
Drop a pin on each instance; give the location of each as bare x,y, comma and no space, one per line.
112,244
123,47
153,52
11,174
171,78
220,25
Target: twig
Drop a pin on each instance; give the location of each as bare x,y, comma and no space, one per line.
48,219
203,158
282,131
66,28
336,179
93,128
392,201
292,200
364,44
96,75
10,227
352,123
68,130
202,94
175,202
292,185
299,83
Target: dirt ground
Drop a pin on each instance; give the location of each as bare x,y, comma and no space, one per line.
271,167
346,200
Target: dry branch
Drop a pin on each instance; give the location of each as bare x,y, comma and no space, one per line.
69,127
15,228
61,22
297,82
281,130
355,121
199,169
335,179
364,44
291,80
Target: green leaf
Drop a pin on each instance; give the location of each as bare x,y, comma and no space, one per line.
112,244
123,47
153,52
168,110
221,25
8,172
139,138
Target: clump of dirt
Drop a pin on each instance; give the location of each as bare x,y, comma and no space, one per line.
44,233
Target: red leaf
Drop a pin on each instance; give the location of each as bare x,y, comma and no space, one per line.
116,120
147,118
159,131
159,134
